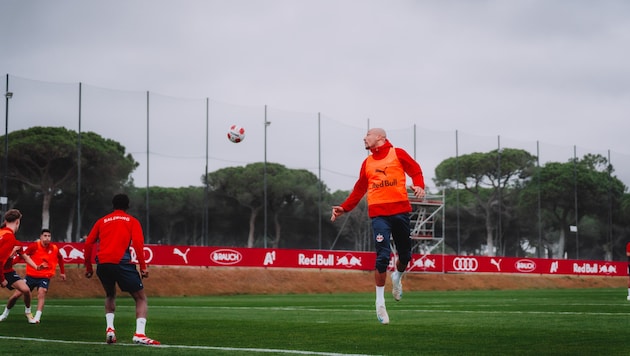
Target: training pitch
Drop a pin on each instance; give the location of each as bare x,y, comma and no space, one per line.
523,322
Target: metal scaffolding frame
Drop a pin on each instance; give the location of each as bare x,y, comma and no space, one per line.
426,214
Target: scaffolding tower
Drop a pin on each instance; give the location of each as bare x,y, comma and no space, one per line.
425,215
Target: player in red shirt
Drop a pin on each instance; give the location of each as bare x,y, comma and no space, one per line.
47,255
9,247
383,179
115,233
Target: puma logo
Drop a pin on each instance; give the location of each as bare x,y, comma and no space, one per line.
382,171
496,263
177,251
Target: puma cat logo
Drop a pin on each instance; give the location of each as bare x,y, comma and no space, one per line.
382,171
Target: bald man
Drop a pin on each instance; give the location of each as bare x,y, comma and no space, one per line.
383,178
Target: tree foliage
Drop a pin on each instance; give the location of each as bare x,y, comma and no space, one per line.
291,194
487,177
43,161
492,201
584,184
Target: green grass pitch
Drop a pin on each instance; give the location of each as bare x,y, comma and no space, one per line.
524,322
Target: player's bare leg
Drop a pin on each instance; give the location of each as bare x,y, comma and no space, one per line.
41,300
381,311
10,304
142,307
110,309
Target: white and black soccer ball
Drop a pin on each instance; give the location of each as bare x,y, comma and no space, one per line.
236,134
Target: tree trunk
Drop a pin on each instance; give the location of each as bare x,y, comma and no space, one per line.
47,197
489,236
276,241
70,224
252,226
561,244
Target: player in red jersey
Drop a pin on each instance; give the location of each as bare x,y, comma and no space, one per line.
9,247
383,179
47,255
115,233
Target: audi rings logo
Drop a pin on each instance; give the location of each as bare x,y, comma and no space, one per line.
465,264
147,252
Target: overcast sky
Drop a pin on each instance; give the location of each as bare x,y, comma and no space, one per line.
551,71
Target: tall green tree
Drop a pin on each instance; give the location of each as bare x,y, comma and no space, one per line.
245,185
44,159
288,191
293,193
486,176
176,214
588,182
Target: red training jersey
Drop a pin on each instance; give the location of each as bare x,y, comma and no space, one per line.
48,256
115,234
408,165
7,243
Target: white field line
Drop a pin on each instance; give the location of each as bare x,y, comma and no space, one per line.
187,347
349,310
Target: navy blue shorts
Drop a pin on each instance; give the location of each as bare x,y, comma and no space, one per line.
33,282
11,278
125,275
386,228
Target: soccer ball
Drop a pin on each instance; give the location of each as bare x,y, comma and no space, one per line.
236,134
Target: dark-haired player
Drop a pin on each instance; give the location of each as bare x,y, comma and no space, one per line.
115,233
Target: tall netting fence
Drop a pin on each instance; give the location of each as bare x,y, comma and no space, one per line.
176,141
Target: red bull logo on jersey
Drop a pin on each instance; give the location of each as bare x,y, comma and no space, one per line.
385,183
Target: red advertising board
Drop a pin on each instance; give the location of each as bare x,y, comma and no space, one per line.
485,264
169,255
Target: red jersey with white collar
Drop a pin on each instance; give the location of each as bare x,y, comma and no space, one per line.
115,234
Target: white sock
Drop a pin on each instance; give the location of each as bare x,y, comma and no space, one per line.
380,295
38,315
7,311
109,318
628,295
27,310
140,325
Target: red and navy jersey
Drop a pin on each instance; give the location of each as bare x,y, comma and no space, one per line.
115,233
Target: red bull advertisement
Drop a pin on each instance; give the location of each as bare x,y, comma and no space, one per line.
486,264
169,255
